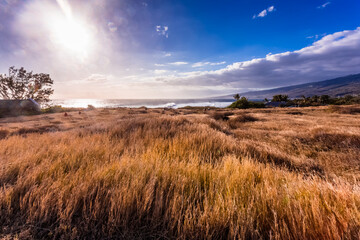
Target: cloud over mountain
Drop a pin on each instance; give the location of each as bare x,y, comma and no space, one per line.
333,55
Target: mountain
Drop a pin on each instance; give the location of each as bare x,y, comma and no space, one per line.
335,87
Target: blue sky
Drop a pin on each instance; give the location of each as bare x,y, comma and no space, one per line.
179,48
225,30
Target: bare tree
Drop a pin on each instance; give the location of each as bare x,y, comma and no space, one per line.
20,84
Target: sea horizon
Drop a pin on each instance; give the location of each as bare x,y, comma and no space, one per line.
136,103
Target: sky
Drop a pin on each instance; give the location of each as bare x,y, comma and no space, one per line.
118,49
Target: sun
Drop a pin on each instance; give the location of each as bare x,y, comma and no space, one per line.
71,35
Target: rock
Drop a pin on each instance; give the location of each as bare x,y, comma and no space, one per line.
19,107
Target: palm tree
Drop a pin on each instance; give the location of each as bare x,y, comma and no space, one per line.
236,97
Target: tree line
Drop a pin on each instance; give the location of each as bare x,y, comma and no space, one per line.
303,101
316,100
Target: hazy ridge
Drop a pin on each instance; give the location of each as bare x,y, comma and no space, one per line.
334,87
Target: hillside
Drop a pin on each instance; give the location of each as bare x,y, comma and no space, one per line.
334,87
181,174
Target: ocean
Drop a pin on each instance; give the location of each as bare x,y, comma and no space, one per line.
149,103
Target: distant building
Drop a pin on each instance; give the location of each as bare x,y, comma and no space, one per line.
275,104
19,107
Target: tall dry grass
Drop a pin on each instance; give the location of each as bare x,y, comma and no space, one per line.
188,176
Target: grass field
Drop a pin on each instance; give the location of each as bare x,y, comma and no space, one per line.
289,173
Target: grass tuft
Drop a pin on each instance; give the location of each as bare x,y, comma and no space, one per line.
236,121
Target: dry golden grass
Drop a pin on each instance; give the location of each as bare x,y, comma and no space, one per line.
153,173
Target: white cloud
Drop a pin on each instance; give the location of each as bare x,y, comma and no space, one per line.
324,5
159,65
97,78
264,12
178,63
316,36
160,71
162,30
332,56
202,64
270,9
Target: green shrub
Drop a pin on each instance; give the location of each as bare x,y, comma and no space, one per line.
280,98
244,103
91,107
54,109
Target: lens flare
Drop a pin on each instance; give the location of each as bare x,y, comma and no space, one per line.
70,34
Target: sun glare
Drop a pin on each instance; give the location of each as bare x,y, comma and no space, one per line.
72,36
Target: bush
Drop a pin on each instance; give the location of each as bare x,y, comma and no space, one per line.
91,107
244,103
280,98
295,113
344,110
222,115
54,109
3,134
